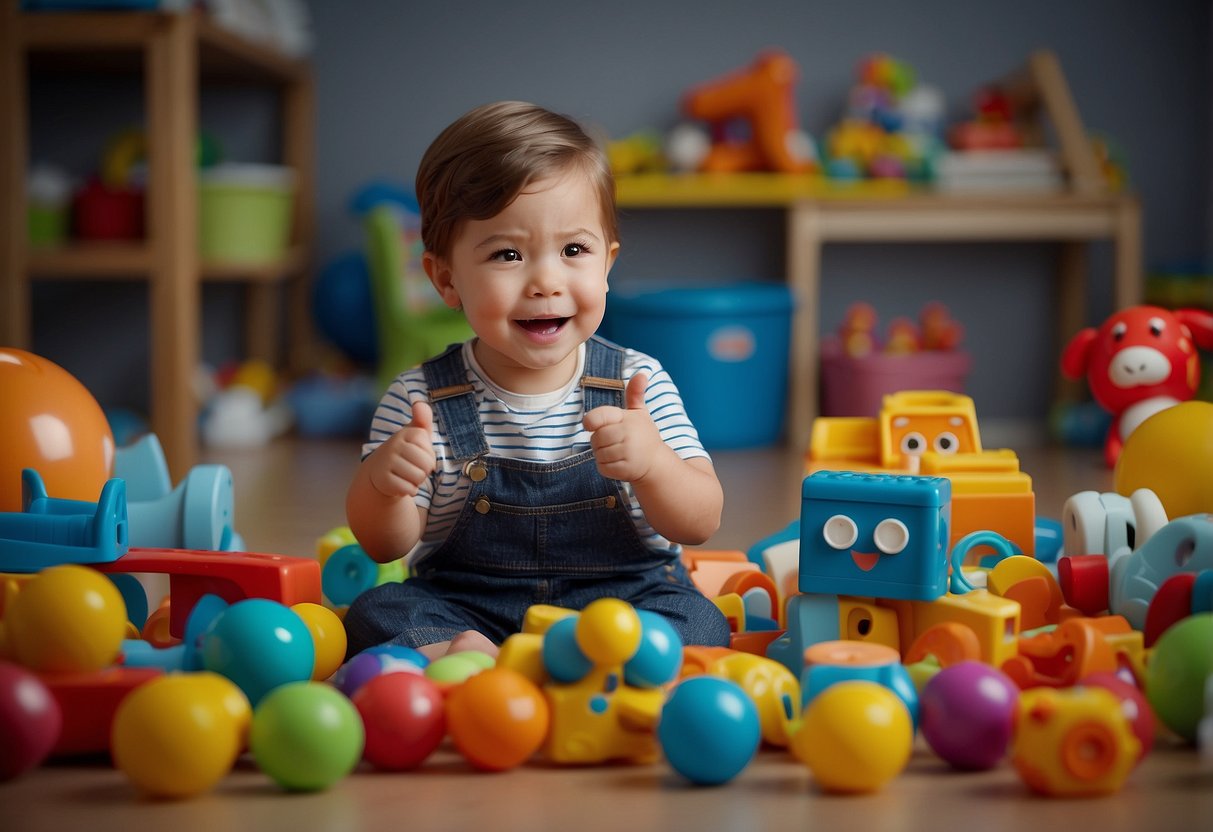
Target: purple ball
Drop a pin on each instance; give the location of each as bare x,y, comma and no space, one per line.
967,714
374,661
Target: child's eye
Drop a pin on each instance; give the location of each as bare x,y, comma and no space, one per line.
506,255
574,249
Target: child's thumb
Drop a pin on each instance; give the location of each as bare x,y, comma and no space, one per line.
423,416
634,397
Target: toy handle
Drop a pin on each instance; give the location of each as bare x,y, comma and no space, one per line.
959,584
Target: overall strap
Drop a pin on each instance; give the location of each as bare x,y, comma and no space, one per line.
454,400
602,382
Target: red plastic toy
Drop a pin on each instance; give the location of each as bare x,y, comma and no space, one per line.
1141,360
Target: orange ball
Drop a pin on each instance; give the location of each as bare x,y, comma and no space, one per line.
497,719
51,423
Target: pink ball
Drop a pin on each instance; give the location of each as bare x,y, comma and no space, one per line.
404,717
30,721
967,714
1133,704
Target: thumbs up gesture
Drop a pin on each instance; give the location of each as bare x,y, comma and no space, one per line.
625,441
399,466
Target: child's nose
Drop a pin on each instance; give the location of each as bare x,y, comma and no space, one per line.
546,278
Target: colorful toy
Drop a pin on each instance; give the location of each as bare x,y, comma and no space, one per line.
874,534
967,713
763,97
1062,657
260,645
1030,584
1183,545
88,701
386,658
709,730
179,735
1169,454
1177,674
658,658
1138,362
456,668
328,638
404,717
1073,742
771,686
855,737
30,721
1133,705
832,662
51,423
233,576
857,332
306,736
68,618
497,719
1110,524
50,531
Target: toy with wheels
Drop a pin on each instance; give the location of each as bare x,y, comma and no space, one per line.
51,531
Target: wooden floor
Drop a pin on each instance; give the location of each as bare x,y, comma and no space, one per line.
291,492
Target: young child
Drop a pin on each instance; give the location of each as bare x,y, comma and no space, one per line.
536,463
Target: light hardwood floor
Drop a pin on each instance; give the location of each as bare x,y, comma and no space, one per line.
291,492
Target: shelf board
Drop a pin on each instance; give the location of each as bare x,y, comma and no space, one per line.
114,41
133,261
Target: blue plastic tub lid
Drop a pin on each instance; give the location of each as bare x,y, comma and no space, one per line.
696,300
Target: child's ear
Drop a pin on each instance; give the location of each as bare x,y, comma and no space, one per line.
439,272
612,253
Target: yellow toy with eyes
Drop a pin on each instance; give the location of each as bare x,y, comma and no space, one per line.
935,433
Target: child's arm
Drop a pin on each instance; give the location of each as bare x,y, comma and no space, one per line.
379,504
682,499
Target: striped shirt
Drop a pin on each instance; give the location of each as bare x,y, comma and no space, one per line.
539,428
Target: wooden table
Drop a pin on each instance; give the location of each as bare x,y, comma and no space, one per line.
820,212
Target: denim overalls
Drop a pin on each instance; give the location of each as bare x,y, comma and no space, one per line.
530,533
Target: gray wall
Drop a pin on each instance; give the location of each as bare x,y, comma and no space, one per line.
390,75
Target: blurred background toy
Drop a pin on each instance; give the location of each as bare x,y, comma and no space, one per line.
1138,362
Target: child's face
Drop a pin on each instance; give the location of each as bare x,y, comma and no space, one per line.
532,281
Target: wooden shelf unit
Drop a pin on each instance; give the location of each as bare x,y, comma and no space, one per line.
175,53
819,211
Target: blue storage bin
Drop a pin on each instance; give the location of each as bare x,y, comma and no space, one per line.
726,347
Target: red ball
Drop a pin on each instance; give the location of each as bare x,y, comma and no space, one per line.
404,717
1133,704
30,721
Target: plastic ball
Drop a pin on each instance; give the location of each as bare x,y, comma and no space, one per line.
1171,453
306,736
343,306
386,658
404,718
967,714
259,644
709,730
562,658
50,422
67,618
455,668
178,735
328,638
659,657
608,631
497,719
1132,703
855,737
1176,674
30,721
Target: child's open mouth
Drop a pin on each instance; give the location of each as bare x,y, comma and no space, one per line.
542,326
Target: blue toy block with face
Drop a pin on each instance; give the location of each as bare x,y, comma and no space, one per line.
875,535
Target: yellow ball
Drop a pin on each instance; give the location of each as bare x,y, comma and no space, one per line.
855,737
179,735
608,631
67,618
1171,453
328,634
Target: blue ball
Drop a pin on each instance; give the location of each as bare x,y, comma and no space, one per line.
343,307
709,730
373,661
561,656
259,645
659,657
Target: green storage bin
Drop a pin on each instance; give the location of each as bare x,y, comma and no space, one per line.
244,213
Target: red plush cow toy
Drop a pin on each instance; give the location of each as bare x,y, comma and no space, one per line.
1140,361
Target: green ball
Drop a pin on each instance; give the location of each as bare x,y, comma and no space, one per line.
454,668
1176,673
306,736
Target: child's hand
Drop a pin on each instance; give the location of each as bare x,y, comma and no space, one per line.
399,466
625,442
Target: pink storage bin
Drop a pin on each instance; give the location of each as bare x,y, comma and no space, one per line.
855,386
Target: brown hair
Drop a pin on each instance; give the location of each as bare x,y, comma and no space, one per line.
479,164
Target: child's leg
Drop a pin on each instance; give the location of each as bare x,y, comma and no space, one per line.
692,615
414,615
467,640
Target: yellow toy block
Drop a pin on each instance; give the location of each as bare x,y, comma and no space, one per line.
994,620
850,438
523,652
540,617
861,619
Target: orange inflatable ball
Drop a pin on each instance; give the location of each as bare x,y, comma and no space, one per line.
1171,453
50,422
497,719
